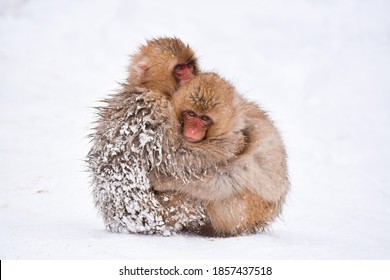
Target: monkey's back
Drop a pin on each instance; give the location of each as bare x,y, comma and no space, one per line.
126,147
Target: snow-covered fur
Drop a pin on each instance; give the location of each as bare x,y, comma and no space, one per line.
127,145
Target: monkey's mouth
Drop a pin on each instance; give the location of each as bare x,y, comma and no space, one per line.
192,140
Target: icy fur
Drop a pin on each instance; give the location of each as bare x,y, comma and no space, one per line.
127,145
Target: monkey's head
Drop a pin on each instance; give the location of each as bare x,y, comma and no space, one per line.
163,64
205,107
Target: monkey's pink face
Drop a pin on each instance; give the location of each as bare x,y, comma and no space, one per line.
195,126
184,71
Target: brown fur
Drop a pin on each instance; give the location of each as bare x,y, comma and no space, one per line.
241,213
248,183
152,66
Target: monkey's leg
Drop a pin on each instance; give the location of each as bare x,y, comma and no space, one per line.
242,213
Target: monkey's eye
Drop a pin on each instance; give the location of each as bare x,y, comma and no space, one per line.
205,118
191,63
190,113
179,67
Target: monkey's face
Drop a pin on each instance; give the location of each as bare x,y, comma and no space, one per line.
163,65
195,126
204,107
185,71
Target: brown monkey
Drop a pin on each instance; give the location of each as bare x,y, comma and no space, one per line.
127,144
235,153
162,65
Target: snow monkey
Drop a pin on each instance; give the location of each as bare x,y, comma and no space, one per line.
235,152
162,65
127,144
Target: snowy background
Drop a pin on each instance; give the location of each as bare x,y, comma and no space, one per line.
321,68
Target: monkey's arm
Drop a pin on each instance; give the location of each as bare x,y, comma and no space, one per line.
261,168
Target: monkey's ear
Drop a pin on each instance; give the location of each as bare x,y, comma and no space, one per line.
141,69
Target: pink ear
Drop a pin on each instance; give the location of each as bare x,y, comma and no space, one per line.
142,67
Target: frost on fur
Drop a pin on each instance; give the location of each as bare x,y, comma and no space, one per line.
127,145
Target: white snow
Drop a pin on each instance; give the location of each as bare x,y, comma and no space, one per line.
321,68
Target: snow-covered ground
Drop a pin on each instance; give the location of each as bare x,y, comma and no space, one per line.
321,68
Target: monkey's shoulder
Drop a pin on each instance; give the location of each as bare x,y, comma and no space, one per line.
131,98
147,96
